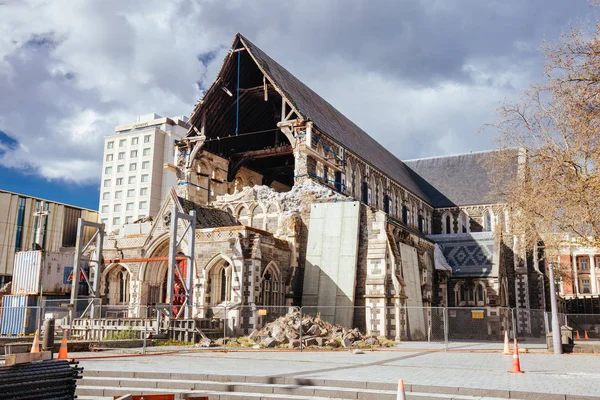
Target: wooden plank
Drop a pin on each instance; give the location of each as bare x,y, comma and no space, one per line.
21,358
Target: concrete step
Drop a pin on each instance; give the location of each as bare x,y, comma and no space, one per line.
221,387
103,393
98,387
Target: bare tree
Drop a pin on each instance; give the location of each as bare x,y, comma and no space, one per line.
556,126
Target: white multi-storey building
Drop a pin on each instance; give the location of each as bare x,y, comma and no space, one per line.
134,180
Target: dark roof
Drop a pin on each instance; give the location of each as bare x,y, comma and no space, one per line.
330,121
208,217
459,180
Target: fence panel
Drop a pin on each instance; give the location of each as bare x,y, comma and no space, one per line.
532,325
583,323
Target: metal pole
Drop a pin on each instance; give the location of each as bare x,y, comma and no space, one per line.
145,336
172,261
76,262
556,336
445,313
513,315
97,271
190,267
300,333
224,323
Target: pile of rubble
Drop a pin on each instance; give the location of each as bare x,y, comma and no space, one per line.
285,332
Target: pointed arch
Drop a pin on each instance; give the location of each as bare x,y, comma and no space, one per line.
463,222
272,286
447,223
218,280
487,220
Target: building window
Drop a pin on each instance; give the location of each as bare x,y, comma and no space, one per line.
143,191
141,216
120,168
585,284
480,295
145,178
146,165
135,140
104,221
447,224
121,155
147,139
131,180
118,194
487,221
110,145
405,215
420,223
122,143
146,152
131,193
133,154
107,182
104,209
129,206
119,182
583,263
142,205
106,196
117,208
20,219
109,157
132,166
116,221
128,219
108,170
463,223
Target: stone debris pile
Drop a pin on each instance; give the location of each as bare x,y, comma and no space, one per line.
285,332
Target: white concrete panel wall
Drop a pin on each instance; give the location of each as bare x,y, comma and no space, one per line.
331,258
414,302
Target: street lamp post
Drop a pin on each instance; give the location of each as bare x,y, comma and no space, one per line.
556,334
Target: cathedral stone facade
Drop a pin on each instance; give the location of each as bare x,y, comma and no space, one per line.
297,206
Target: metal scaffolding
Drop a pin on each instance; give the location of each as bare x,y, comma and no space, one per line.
175,253
91,277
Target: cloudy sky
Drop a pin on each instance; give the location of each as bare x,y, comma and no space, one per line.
420,76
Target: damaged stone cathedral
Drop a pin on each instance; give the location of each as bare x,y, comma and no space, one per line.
296,205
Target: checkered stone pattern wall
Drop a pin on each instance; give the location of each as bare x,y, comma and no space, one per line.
469,254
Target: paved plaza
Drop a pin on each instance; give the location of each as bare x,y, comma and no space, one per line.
468,368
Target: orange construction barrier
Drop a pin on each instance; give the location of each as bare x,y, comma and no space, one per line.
516,367
585,335
401,395
506,351
578,337
63,353
35,347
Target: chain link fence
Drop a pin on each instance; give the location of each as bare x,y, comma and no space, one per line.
266,327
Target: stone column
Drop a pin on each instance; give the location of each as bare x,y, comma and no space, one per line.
593,282
575,275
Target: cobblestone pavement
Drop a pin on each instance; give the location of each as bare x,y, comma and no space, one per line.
544,373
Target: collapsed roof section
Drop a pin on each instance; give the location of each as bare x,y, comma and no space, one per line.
263,84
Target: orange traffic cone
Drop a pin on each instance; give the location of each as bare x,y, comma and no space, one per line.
516,368
578,337
401,395
63,352
506,351
35,347
585,336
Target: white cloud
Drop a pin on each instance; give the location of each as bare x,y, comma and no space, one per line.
420,79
